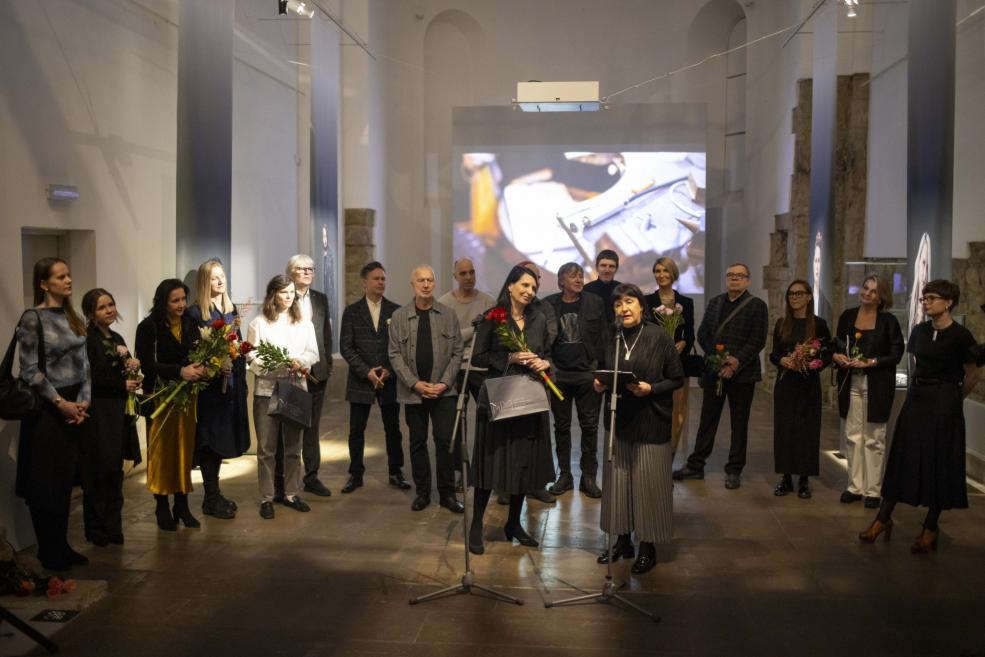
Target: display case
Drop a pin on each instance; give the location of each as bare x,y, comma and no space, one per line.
895,271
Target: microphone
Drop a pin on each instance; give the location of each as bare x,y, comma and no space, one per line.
617,323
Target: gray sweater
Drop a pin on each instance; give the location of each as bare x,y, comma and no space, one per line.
66,360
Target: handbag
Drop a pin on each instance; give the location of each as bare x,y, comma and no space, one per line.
18,400
290,404
515,396
693,364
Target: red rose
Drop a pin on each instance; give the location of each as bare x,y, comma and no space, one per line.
497,314
245,348
231,336
218,324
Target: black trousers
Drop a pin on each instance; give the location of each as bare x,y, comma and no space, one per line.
578,391
102,502
739,396
358,417
310,444
441,412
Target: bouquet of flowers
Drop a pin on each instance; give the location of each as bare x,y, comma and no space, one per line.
271,358
669,318
715,361
20,577
130,366
806,357
219,344
514,341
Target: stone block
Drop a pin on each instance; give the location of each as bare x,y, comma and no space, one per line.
360,217
359,236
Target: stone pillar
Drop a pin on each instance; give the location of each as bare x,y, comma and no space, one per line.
360,248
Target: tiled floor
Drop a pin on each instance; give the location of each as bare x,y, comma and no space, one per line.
747,574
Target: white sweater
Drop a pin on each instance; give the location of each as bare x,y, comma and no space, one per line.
299,340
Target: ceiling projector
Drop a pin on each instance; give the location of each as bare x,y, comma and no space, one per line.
558,97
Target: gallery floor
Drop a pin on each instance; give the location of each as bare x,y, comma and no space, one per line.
746,574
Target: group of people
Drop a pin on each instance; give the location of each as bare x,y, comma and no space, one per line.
420,355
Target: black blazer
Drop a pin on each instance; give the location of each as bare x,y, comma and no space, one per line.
488,352
591,320
685,331
744,336
161,356
322,320
887,347
364,347
114,435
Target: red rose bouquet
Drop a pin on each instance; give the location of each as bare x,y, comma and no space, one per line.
514,341
715,361
806,357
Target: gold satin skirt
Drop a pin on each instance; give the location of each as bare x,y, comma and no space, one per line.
171,452
678,427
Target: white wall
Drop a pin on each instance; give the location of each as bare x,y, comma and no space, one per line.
969,131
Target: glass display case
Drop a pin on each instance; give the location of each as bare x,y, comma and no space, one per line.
895,271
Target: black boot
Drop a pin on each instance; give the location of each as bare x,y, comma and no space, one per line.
182,513
214,504
621,549
480,498
513,529
165,520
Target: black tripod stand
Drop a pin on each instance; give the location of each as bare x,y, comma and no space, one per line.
467,584
609,593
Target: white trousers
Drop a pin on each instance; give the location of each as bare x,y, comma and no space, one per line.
865,442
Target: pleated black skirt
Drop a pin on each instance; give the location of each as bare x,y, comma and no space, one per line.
926,465
512,456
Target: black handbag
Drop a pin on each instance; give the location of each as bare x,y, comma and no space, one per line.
694,365
18,400
290,404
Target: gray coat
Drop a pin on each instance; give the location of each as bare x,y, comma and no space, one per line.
446,343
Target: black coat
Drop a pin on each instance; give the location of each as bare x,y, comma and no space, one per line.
591,323
887,349
744,336
685,331
322,320
161,356
364,347
488,352
114,435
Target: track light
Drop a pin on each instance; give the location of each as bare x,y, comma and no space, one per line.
851,4
296,6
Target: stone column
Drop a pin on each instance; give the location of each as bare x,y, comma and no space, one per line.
359,248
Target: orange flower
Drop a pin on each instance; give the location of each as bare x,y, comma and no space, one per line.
719,347
858,335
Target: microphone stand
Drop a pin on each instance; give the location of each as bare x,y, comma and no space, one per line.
609,593
467,584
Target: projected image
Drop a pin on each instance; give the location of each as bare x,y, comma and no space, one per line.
553,205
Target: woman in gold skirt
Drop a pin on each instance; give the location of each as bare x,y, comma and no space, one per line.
164,339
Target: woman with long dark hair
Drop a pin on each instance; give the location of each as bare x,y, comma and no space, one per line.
113,436
800,352
223,428
926,465
52,343
164,339
636,485
870,345
512,456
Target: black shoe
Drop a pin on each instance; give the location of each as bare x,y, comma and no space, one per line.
475,538
98,538
451,503
848,497
267,510
278,498
185,515
228,502
872,502
352,484
732,481
804,491
297,504
542,495
687,473
503,499
621,549
116,539
563,484
420,503
647,559
517,532
165,521
785,486
316,487
397,481
218,507
75,558
588,487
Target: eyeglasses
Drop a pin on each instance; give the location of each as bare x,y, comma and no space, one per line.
305,270
930,298
736,277
798,293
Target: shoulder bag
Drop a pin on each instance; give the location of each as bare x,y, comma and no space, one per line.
18,399
290,404
515,396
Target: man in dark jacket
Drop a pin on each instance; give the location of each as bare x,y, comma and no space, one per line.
314,309
576,354
363,340
739,322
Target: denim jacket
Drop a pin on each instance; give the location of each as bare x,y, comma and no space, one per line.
446,344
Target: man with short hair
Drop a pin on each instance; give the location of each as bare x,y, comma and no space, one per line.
314,308
425,349
576,354
364,343
738,322
606,266
468,303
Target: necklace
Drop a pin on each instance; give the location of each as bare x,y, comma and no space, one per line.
629,349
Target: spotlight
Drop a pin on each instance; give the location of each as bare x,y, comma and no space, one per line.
298,7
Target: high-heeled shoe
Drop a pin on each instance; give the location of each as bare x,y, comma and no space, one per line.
875,529
183,513
621,549
517,532
475,539
926,542
165,521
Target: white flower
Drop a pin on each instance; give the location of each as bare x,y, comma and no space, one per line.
206,332
678,308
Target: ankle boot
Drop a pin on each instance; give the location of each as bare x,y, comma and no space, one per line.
165,520
183,513
926,542
214,504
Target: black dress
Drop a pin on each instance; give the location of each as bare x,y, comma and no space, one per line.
797,403
511,456
926,465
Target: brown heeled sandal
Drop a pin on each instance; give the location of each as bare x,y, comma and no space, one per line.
875,529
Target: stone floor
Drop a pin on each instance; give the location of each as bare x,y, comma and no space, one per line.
746,574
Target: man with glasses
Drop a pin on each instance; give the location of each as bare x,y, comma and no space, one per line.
314,309
738,322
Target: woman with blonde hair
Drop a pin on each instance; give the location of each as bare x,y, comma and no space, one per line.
223,430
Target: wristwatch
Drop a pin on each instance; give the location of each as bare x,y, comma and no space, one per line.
56,401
